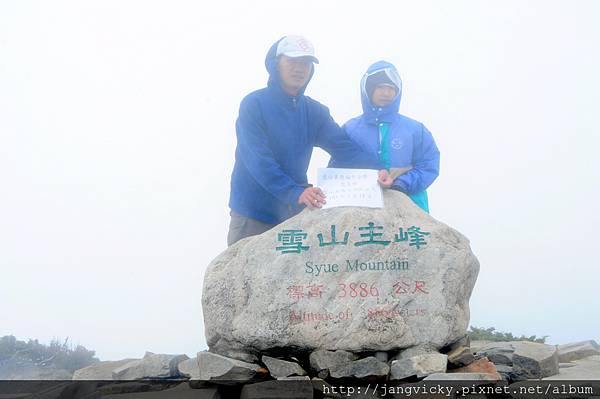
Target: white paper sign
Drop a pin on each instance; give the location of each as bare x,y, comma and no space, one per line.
350,187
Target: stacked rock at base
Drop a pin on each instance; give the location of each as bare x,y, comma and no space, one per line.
347,278
529,361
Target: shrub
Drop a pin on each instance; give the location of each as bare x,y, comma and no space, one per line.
490,334
58,354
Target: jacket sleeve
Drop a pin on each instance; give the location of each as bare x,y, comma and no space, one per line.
256,155
426,165
345,153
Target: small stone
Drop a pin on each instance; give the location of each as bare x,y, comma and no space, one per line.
262,372
419,366
412,351
577,350
367,367
323,374
460,356
223,370
282,368
498,352
321,361
381,356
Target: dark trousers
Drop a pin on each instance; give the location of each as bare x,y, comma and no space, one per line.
242,227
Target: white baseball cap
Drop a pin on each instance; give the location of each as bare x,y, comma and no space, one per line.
296,46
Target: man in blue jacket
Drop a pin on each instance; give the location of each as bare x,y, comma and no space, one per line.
402,144
277,129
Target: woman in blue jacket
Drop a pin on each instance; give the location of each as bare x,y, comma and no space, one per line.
401,143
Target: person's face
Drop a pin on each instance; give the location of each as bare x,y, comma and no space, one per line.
383,95
294,73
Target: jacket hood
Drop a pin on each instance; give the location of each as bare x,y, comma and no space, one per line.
271,65
372,113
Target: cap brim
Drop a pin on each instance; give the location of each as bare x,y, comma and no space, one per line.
298,54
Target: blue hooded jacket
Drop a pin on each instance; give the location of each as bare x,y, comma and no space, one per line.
276,133
409,142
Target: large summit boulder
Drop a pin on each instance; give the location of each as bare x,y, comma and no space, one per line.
349,278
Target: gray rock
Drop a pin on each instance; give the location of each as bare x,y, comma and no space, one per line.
276,300
100,370
292,389
367,367
460,377
282,368
577,350
417,350
189,368
381,356
321,361
420,366
498,352
461,356
220,369
535,360
150,366
584,369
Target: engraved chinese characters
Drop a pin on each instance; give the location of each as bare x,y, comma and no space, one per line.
291,241
357,279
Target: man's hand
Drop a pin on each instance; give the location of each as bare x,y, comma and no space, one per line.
385,180
312,197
